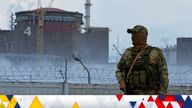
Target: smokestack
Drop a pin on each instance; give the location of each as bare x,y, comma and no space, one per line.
87,13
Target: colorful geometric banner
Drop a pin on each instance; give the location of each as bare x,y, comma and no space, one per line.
96,101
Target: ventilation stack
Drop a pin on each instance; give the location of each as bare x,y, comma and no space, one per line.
87,13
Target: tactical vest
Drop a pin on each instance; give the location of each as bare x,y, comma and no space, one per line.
144,75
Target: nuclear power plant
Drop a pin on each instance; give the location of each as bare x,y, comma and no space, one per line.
42,49
39,55
55,32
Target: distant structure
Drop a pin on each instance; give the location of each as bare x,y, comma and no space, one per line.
184,50
181,53
62,36
170,53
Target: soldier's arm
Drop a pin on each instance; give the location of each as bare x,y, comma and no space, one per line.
162,66
120,75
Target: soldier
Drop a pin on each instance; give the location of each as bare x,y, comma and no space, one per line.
142,70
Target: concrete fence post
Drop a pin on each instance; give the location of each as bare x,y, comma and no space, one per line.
66,88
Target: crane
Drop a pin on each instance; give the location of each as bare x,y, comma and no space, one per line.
40,27
40,13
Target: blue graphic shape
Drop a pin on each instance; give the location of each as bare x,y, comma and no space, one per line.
132,103
17,106
162,97
178,98
9,97
187,103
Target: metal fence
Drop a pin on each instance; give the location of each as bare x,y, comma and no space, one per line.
75,73
180,75
55,74
37,80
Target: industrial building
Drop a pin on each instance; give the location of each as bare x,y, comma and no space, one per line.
184,50
180,54
62,36
53,35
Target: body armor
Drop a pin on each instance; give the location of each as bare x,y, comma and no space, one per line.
144,76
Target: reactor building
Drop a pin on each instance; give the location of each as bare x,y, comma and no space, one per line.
58,34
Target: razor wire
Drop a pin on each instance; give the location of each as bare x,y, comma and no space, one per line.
77,74
181,75
54,74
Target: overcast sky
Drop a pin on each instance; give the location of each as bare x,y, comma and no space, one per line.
165,19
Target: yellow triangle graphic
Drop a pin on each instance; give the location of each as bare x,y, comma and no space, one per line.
2,106
75,105
36,103
12,103
4,98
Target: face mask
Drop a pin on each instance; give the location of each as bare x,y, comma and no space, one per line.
139,39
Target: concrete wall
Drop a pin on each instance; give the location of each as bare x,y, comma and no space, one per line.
72,89
31,88
57,89
95,45
93,89
6,41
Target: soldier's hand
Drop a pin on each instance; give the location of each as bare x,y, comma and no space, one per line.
122,85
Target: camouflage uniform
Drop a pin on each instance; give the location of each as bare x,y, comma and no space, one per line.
149,74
